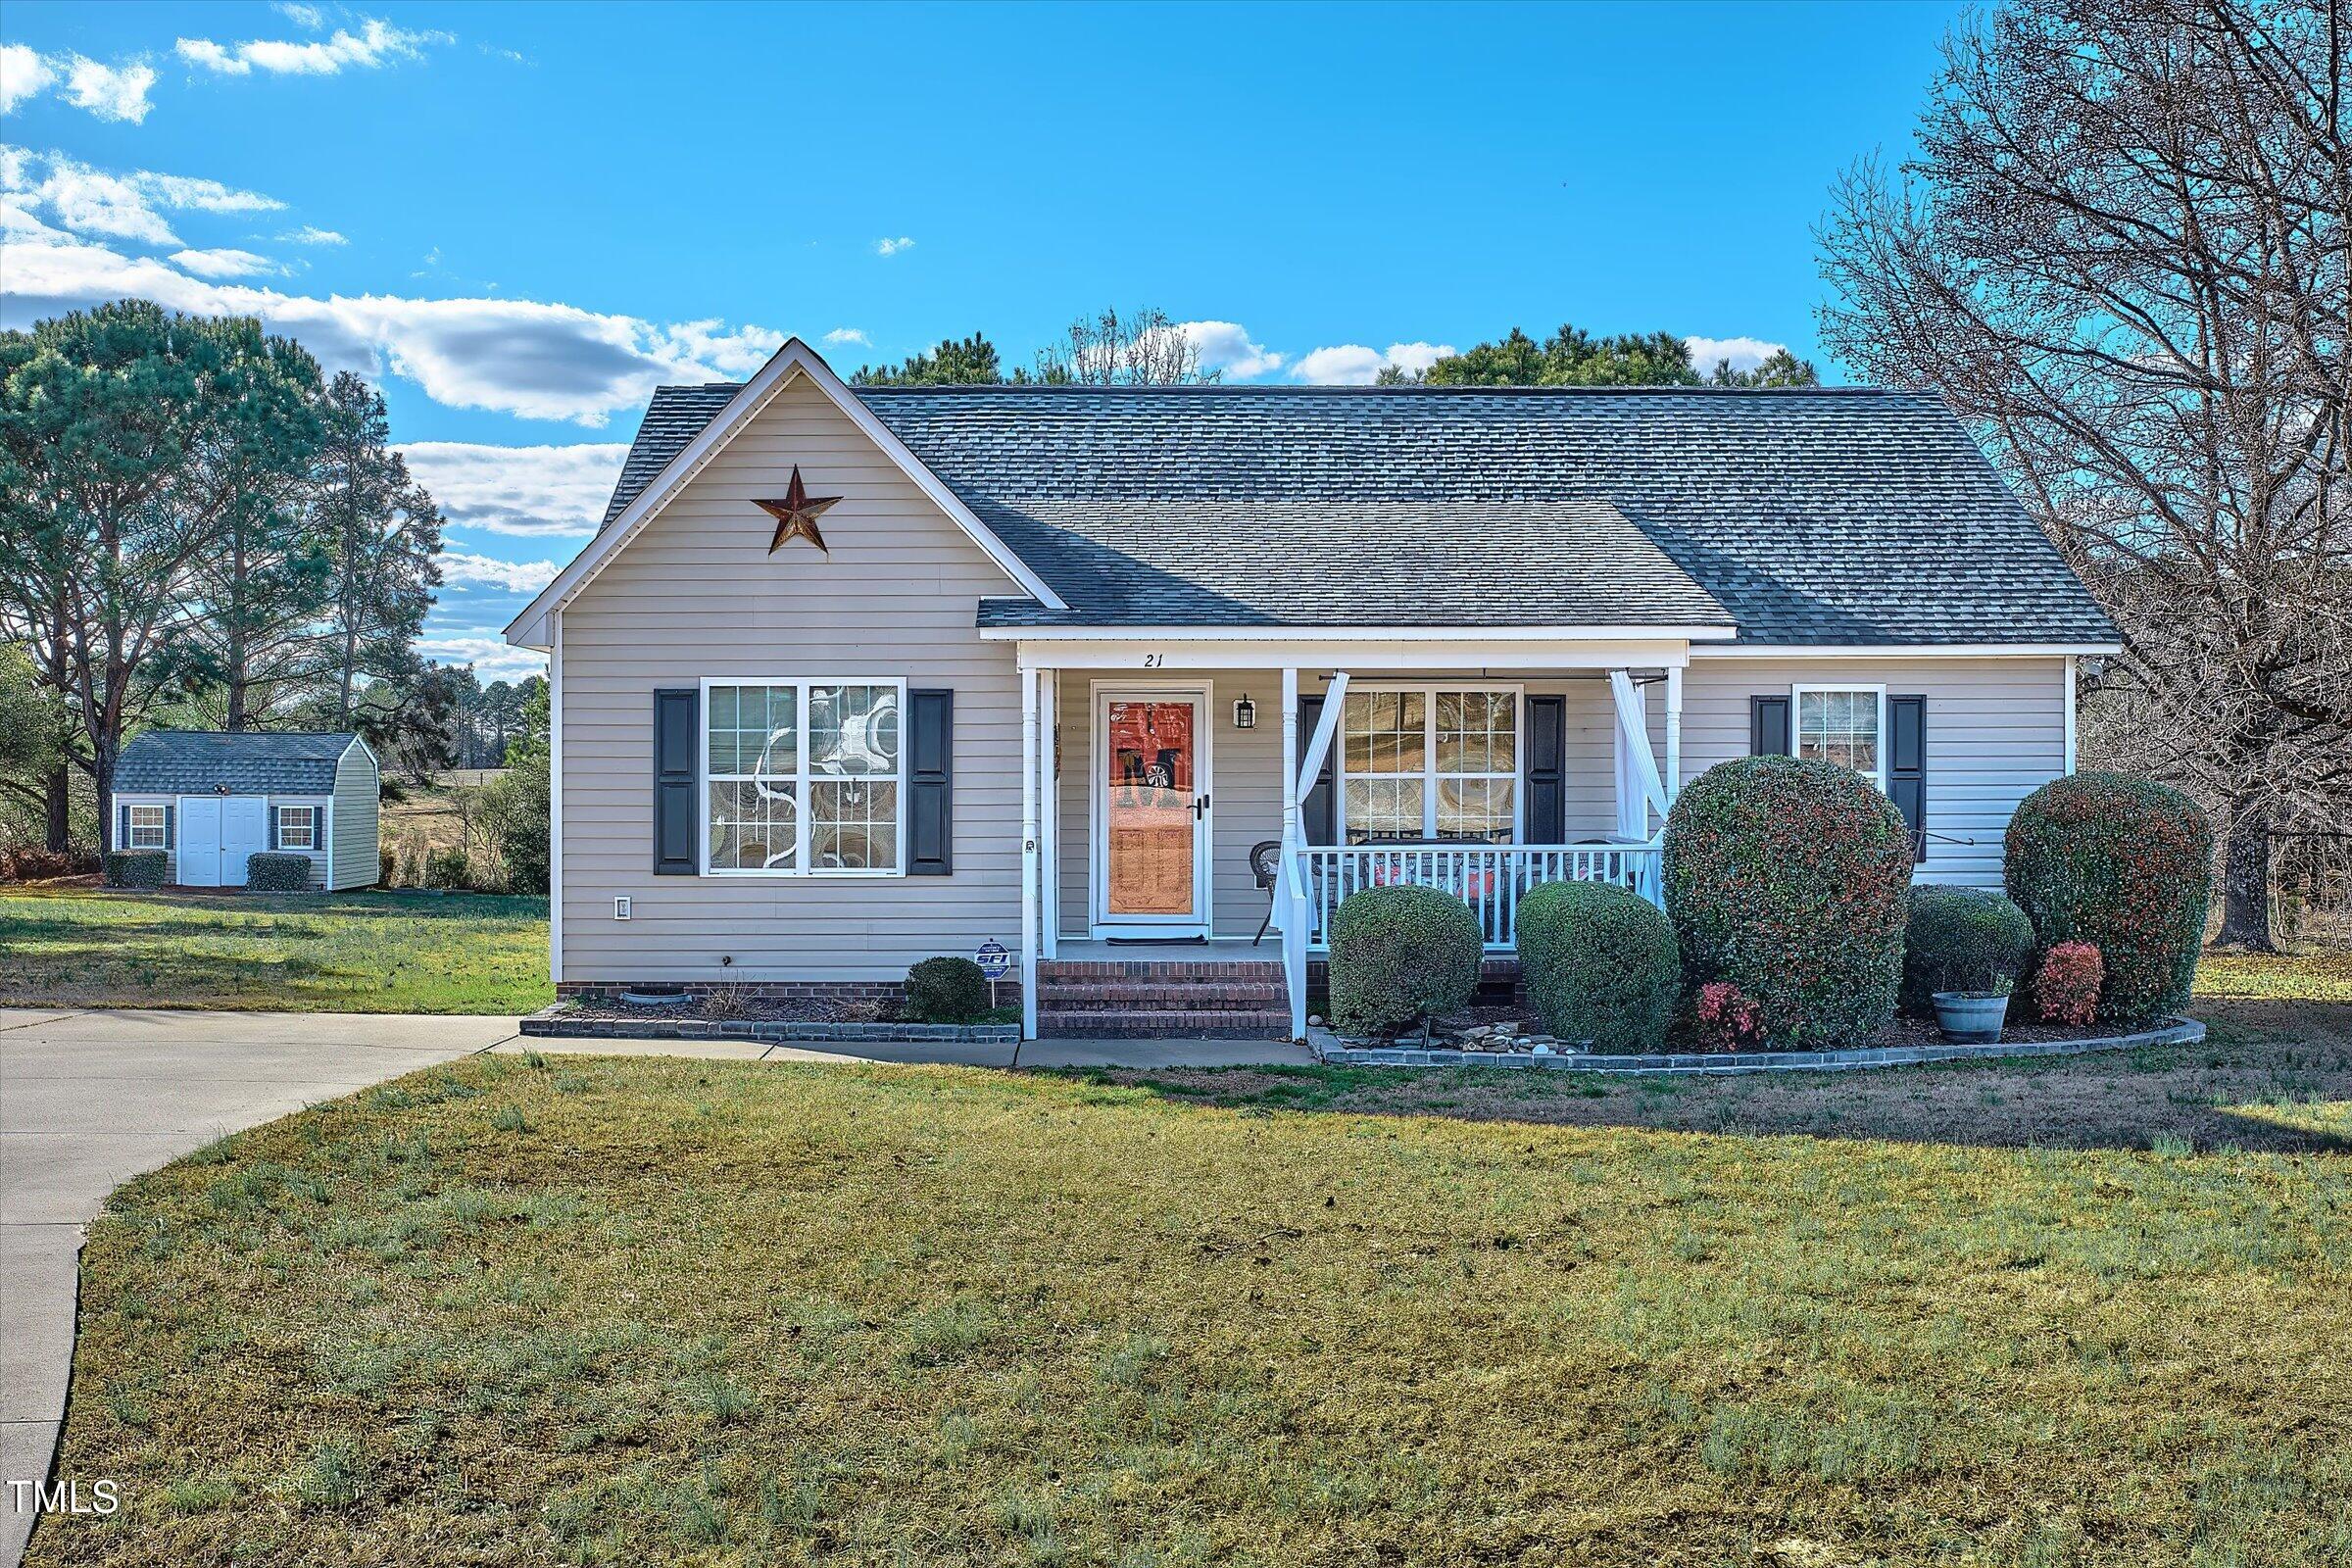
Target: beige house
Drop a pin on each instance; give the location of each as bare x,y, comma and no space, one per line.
1140,683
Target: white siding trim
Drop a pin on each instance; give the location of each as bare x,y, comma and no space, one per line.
2067,676
795,359
555,801
1273,635
1906,651
326,829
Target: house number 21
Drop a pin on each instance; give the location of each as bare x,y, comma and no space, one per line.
1155,660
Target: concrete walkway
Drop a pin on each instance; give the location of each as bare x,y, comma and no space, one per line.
89,1099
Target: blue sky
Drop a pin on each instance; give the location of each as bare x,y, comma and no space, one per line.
521,218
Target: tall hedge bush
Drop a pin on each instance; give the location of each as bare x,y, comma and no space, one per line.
1961,938
1400,954
1788,878
1599,963
2124,864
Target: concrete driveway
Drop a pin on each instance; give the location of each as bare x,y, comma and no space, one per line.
87,1100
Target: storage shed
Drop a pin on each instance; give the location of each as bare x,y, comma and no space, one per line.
209,799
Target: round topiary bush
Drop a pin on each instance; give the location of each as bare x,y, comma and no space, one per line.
274,871
1599,963
1961,938
1788,878
1400,954
947,991
2124,864
135,869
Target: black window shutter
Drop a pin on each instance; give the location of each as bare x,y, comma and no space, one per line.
1545,764
121,825
677,726
277,839
1768,726
930,782
168,843
1907,767
1315,812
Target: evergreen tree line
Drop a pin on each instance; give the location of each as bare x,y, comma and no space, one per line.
199,528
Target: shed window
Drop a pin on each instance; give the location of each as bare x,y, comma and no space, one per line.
148,828
298,827
802,778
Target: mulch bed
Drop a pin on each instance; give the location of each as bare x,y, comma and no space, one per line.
2020,1029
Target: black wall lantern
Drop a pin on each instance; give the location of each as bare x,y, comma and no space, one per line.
1245,712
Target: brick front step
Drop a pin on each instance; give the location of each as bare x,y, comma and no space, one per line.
1260,971
1123,1023
1199,996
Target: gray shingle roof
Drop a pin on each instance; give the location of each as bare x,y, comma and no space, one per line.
1843,516
200,761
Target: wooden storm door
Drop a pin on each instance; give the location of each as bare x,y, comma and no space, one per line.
1152,844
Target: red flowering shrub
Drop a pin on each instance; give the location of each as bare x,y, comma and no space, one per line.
1726,1019
1790,880
2066,989
2123,864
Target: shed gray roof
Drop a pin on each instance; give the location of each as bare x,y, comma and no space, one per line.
1838,514
202,761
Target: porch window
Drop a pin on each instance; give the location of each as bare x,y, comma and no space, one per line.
147,830
802,778
1843,724
1430,763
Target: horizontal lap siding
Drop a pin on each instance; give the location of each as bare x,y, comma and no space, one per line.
359,789
696,595
1996,732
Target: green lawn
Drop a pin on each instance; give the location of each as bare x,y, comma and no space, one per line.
584,1309
299,953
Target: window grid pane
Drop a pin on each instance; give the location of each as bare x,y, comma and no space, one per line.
1840,727
147,827
778,755
296,827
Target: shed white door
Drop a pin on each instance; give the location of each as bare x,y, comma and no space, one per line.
217,832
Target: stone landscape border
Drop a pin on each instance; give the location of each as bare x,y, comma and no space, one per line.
1332,1050
558,1023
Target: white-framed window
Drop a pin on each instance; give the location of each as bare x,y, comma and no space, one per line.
1842,724
298,827
149,828
804,777
1429,762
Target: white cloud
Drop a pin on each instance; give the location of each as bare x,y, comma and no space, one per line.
312,235
225,263
462,570
892,247
1354,364
1744,353
490,656
376,43
128,206
849,334
522,492
308,17
24,75
1225,347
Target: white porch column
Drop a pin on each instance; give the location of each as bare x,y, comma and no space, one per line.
2068,677
1673,733
1049,819
1029,849
1286,905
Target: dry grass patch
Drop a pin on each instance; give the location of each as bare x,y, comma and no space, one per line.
664,1312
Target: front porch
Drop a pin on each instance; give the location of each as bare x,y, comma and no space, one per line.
1165,788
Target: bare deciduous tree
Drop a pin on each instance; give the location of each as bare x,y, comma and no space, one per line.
2121,254
1141,349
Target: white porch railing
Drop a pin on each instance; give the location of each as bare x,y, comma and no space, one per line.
1491,879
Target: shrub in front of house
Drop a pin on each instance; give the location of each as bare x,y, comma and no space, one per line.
1723,1018
1599,963
1399,956
135,869
1788,878
2123,864
274,871
2066,988
947,991
1961,938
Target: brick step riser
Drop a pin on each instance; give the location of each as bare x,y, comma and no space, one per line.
1087,971
1114,1025
1204,999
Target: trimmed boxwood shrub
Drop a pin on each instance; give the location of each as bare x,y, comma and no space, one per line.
1599,963
135,869
1961,938
273,871
2124,864
1400,954
947,991
1788,878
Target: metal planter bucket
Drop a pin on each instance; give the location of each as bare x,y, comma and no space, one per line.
1969,1019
